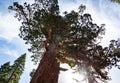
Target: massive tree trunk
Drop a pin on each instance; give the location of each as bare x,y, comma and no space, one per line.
48,69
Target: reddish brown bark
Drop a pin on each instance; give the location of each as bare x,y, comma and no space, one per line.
48,69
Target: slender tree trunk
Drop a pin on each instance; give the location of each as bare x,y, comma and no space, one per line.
48,69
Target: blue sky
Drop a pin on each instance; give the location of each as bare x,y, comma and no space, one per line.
11,46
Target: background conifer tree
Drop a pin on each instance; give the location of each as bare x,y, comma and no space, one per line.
4,72
11,73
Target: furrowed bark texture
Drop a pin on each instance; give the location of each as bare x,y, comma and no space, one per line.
48,69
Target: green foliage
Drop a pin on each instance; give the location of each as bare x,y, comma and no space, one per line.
32,73
117,1
11,74
71,64
17,69
74,33
37,19
4,72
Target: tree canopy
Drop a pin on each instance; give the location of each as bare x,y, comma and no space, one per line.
74,33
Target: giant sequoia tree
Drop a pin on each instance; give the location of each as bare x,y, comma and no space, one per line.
70,38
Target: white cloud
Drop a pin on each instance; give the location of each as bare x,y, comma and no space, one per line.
12,53
9,52
9,27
